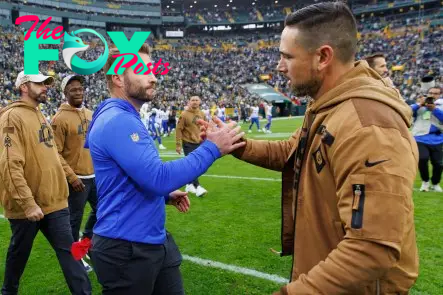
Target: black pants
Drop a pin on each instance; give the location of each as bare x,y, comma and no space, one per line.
77,202
435,153
187,149
124,267
55,227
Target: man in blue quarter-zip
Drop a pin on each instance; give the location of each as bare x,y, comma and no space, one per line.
132,252
427,131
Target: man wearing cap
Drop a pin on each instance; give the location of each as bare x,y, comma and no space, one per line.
70,125
34,190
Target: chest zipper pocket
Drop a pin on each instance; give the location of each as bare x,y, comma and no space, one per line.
358,205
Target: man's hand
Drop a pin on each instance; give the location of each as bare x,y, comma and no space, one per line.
225,136
35,214
180,200
283,291
78,185
178,149
420,101
430,106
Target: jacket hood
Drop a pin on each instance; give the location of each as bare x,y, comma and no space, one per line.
363,82
106,105
17,104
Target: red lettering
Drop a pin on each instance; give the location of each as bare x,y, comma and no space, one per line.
28,18
166,64
41,30
57,30
149,69
138,69
126,65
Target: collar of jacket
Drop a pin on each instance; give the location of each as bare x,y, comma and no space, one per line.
106,105
362,82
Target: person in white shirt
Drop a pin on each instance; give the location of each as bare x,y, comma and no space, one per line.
221,111
165,126
268,112
145,114
254,118
207,113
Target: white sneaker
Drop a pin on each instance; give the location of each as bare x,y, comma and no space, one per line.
424,186
162,147
269,131
201,191
259,130
437,188
264,130
164,135
190,188
249,131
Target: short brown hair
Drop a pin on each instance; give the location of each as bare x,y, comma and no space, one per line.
329,23
371,58
114,51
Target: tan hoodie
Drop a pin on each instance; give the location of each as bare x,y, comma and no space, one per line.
70,126
30,169
347,184
187,128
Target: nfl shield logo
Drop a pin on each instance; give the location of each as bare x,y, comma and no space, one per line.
135,137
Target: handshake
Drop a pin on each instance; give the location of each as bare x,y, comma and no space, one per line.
227,137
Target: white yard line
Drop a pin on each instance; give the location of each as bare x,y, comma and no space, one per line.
241,177
236,269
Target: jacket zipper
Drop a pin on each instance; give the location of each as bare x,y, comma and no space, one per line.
378,287
303,143
358,205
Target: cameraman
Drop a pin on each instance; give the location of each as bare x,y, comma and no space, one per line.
427,131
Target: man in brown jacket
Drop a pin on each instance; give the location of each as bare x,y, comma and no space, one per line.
348,173
188,135
70,125
33,187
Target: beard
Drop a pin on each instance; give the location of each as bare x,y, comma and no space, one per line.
309,88
137,92
39,96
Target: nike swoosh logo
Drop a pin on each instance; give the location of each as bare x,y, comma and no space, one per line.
372,164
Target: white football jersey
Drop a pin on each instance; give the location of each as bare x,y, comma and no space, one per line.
144,111
269,110
158,117
254,112
207,114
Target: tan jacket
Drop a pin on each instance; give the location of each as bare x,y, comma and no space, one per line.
30,170
348,178
70,126
187,129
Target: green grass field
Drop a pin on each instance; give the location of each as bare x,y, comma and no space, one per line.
237,223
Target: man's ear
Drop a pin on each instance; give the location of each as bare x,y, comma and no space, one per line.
117,80
24,88
325,56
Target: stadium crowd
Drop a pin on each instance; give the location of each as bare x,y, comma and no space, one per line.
202,65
